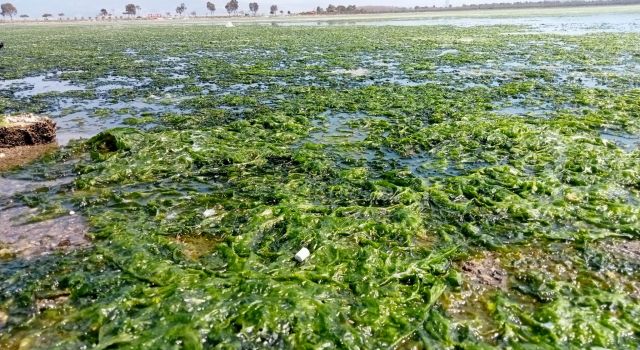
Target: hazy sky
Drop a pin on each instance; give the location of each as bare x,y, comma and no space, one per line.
36,8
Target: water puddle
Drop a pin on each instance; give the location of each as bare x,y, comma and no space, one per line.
41,84
448,52
130,52
337,128
83,123
78,126
358,72
524,107
176,67
625,141
513,110
22,239
119,82
11,187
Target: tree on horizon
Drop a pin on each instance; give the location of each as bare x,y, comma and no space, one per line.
7,9
180,9
253,7
274,9
231,7
130,10
211,7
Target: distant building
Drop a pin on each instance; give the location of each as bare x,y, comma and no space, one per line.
154,16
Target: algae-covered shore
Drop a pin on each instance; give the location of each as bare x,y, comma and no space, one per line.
465,188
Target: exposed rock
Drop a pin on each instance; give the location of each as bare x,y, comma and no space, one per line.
26,130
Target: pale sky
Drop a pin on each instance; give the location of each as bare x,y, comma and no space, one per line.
35,8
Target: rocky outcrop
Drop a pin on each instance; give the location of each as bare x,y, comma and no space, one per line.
26,130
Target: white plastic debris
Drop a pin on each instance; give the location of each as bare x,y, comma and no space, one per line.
2,155
72,213
302,255
229,25
209,213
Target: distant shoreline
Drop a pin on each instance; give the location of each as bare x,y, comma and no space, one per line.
544,4
298,18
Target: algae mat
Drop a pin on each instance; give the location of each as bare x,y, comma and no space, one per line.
467,188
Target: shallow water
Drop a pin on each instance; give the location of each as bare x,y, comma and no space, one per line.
82,124
627,142
11,187
26,240
116,82
41,84
335,129
568,25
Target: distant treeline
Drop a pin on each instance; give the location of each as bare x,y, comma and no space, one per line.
340,9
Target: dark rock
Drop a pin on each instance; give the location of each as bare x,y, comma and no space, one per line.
26,130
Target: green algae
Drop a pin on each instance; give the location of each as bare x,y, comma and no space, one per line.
392,181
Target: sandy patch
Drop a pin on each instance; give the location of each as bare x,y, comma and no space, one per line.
21,155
